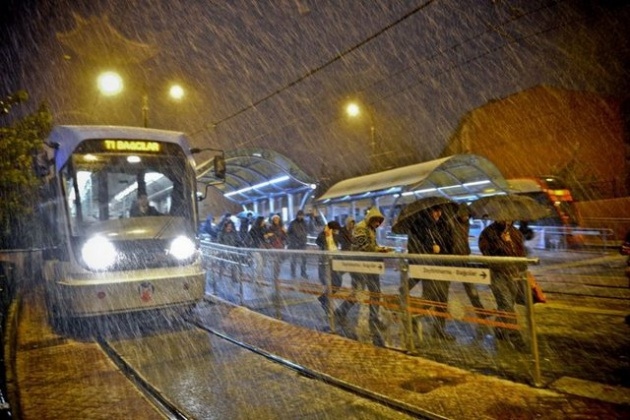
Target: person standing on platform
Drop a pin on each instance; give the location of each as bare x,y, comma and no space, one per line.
277,239
461,246
432,234
502,239
297,237
230,237
345,234
257,235
364,239
246,223
328,240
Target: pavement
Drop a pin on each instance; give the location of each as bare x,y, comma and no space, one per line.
53,377
43,373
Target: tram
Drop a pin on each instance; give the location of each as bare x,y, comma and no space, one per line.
102,255
551,192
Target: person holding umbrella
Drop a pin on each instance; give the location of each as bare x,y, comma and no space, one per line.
502,239
432,234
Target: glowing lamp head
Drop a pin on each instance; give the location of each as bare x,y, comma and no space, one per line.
110,83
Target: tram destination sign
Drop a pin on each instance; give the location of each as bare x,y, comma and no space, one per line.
132,146
460,274
357,266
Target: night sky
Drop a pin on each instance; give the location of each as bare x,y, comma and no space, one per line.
277,74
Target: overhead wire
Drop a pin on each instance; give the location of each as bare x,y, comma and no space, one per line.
410,67
320,67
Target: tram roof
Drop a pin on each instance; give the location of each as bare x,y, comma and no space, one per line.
458,177
256,174
66,138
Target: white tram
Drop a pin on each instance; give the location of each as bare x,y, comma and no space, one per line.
101,256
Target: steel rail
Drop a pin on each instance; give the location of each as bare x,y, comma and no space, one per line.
324,378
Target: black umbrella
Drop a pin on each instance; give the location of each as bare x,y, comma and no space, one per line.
509,208
412,211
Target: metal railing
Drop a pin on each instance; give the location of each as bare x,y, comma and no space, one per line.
563,237
260,279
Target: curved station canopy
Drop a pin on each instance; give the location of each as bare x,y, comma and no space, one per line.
254,175
462,177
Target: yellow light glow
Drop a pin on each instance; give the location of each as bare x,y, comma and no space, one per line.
353,109
90,158
110,83
132,145
176,92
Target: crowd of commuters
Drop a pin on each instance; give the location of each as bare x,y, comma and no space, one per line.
434,231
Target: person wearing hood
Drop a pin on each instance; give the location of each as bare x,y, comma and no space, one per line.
364,240
433,235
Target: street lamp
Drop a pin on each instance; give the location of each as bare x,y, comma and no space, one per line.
110,83
354,111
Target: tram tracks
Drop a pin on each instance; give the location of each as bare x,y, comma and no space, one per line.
172,410
155,396
415,412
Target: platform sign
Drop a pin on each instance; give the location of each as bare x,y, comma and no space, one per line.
365,267
460,274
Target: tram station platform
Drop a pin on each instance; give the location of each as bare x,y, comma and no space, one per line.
54,377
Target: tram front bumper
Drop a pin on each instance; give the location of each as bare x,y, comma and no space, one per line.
88,294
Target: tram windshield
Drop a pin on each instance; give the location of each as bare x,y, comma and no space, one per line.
103,187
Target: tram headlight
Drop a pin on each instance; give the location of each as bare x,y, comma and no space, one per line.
182,248
98,253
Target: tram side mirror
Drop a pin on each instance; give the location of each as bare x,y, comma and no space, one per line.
219,166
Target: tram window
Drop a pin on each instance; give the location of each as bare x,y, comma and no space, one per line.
106,189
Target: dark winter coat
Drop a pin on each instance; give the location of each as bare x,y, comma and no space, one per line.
461,231
256,235
426,232
278,237
230,238
492,243
297,233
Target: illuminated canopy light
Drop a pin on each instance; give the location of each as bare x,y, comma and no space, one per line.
253,187
98,253
182,248
470,184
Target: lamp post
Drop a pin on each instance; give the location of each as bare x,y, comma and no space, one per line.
110,83
354,111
